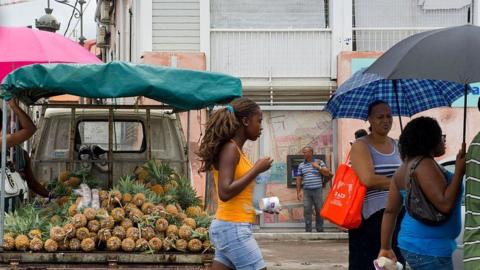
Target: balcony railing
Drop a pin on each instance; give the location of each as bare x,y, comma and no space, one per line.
381,39
271,53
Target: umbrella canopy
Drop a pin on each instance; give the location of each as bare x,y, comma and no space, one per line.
449,54
180,88
24,46
409,97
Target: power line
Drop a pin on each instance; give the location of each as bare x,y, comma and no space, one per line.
71,17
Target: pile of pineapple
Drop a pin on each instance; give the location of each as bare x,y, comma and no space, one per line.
153,211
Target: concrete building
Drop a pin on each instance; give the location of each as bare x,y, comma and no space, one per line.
290,56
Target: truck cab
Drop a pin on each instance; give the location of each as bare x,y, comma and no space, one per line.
108,142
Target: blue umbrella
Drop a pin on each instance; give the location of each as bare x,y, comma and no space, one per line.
406,97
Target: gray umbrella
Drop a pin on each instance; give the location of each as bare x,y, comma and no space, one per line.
449,54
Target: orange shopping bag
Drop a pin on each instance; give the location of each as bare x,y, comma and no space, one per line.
343,205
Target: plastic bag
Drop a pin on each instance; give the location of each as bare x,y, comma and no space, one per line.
95,199
259,190
86,196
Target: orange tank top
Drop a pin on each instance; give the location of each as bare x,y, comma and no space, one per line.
239,208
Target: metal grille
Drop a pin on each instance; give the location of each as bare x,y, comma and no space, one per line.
289,97
271,53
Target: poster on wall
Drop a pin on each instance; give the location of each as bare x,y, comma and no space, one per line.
285,133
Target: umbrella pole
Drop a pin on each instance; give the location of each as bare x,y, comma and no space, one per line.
465,112
395,90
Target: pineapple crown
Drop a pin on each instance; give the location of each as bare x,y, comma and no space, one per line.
186,194
159,171
23,220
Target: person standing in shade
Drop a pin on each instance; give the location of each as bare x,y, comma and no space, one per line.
311,172
374,158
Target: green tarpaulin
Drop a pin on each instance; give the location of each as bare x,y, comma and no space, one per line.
180,88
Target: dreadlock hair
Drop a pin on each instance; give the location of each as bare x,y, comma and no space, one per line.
221,127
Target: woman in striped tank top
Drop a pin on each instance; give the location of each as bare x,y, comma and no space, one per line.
221,151
375,158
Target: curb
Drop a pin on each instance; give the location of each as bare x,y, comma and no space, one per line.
300,236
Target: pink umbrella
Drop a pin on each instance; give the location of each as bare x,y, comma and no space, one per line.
20,46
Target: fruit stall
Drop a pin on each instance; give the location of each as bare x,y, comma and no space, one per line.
150,218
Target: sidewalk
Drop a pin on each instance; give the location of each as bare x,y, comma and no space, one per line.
296,234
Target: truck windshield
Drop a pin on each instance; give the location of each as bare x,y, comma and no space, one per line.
128,136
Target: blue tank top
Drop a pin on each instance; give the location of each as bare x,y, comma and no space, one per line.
438,241
384,164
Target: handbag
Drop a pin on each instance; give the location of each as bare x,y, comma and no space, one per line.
417,204
344,202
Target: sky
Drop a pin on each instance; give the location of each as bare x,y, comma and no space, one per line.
24,14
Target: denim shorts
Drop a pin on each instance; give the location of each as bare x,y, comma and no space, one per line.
235,246
425,262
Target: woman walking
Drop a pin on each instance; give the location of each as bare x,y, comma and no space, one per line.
374,158
425,246
227,130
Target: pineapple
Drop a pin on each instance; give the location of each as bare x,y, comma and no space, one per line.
190,222
72,210
182,216
172,231
107,223
107,205
185,232
57,233
126,223
119,232
87,245
207,246
116,195
147,233
139,199
141,173
82,233
104,235
114,243
102,213
168,243
159,210
118,214
155,244
135,215
194,211
201,231
128,245
35,233
36,244
141,245
181,245
70,230
103,195
158,189
147,208
63,245
133,233
171,209
74,244
22,242
93,226
195,245
50,245
127,198
8,242
94,237
79,220
73,181
55,219
90,213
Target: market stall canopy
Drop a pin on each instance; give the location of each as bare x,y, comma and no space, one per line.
180,88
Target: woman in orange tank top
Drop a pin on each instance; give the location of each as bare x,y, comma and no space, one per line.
221,151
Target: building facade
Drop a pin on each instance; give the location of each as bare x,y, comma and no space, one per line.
290,56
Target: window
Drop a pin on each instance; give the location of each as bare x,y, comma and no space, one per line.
128,136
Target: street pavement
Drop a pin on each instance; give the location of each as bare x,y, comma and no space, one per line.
305,254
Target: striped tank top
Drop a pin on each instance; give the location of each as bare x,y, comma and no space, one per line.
384,164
